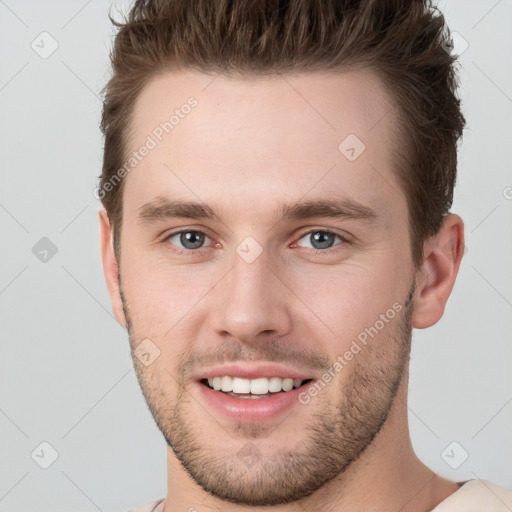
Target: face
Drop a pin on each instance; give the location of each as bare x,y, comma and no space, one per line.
295,263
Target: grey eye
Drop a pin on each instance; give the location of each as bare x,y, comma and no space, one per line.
188,239
320,239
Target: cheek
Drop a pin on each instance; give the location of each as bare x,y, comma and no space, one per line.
160,297
345,300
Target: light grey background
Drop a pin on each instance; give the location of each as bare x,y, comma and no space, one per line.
65,369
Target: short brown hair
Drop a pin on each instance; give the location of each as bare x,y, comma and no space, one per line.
405,42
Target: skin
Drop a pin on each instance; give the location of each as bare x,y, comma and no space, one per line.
248,146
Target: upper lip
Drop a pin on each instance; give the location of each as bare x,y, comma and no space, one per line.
247,371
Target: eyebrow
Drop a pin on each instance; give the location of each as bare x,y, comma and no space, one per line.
162,208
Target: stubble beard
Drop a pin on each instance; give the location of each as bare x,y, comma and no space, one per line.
336,433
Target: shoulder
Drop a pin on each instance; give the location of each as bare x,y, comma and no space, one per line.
153,506
478,495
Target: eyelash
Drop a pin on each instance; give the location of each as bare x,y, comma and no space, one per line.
329,250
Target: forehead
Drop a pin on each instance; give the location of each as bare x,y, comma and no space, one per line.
263,139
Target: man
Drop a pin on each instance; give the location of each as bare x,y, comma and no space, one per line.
277,181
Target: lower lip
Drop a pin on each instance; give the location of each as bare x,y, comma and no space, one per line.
251,410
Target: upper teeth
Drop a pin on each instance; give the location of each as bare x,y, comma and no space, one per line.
259,386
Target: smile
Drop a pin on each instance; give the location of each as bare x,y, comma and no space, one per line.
251,400
252,388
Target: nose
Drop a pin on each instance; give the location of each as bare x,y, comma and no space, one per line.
251,302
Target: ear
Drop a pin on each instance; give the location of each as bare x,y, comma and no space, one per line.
110,267
435,279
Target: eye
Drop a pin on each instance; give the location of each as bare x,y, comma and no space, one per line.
190,240
187,240
321,240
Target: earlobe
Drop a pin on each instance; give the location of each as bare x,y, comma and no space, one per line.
110,267
436,278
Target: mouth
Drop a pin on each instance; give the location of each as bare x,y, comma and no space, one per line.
262,387
254,393
253,400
